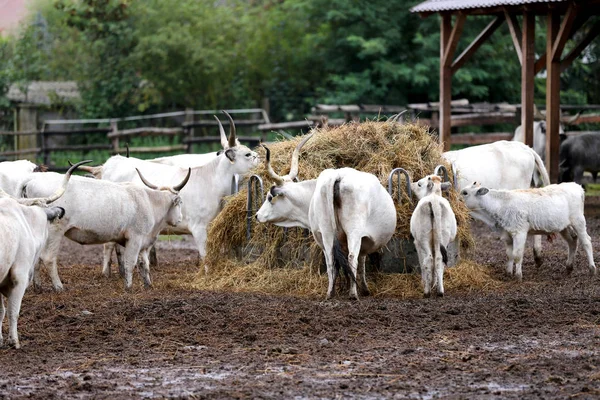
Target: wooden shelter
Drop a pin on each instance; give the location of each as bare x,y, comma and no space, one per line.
563,19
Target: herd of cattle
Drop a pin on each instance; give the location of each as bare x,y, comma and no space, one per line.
349,212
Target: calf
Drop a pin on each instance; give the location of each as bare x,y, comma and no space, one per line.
517,213
433,226
103,212
23,234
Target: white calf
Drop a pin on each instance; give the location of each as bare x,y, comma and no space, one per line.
517,213
433,226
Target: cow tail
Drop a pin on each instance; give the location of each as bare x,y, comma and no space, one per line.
541,168
334,202
436,224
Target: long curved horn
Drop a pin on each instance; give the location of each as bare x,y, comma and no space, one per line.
224,142
232,134
144,181
184,182
537,113
278,179
573,119
295,156
127,149
59,192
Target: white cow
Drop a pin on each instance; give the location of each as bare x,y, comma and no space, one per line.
539,137
23,234
102,212
433,226
517,213
202,197
348,212
14,173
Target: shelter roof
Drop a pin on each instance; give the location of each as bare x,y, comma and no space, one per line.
44,92
432,6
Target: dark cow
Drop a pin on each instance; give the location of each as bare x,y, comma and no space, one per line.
578,154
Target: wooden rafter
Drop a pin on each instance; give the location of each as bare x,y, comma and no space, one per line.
515,33
587,39
527,76
476,43
564,33
453,39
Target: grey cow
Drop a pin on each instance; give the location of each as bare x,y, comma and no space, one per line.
578,154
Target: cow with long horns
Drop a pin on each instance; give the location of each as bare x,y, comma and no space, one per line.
202,197
103,212
23,233
348,212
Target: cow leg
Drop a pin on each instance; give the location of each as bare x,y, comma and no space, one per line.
519,241
2,314
362,270
15,297
107,252
199,234
132,250
586,242
426,263
578,174
594,175
119,253
438,271
145,270
49,256
153,257
508,241
537,250
572,242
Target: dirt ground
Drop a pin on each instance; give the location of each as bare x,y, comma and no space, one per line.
536,339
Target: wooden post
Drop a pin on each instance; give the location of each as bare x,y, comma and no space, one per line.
189,117
115,140
445,84
527,76
27,121
552,96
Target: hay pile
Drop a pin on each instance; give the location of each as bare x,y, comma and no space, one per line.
373,146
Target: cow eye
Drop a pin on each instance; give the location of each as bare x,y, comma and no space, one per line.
419,184
464,192
248,154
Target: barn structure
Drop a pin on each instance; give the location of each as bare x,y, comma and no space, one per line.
563,18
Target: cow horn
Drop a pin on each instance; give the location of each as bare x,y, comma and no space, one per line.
232,135
151,186
573,119
295,156
184,182
224,142
278,179
537,113
59,192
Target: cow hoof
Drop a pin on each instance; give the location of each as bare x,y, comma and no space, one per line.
426,295
365,292
538,261
440,294
59,289
11,344
569,269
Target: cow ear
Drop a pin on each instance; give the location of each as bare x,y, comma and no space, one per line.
230,153
53,213
482,191
543,126
446,186
429,185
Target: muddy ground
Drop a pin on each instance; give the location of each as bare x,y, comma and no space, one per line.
536,339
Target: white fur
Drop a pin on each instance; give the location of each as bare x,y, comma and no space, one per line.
13,174
517,213
539,137
432,224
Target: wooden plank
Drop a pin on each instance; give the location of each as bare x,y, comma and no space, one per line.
527,76
476,43
483,119
585,119
564,32
286,125
453,39
587,39
540,64
552,96
157,149
480,138
515,33
80,131
217,139
18,133
146,131
33,150
445,83
212,122
77,147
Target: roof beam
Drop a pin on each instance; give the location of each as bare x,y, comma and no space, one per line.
453,39
515,33
564,33
476,43
540,64
587,39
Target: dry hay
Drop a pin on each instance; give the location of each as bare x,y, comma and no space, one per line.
373,146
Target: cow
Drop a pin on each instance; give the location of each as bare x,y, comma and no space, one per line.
433,226
14,173
578,154
348,212
23,234
103,212
500,165
196,160
518,213
202,197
